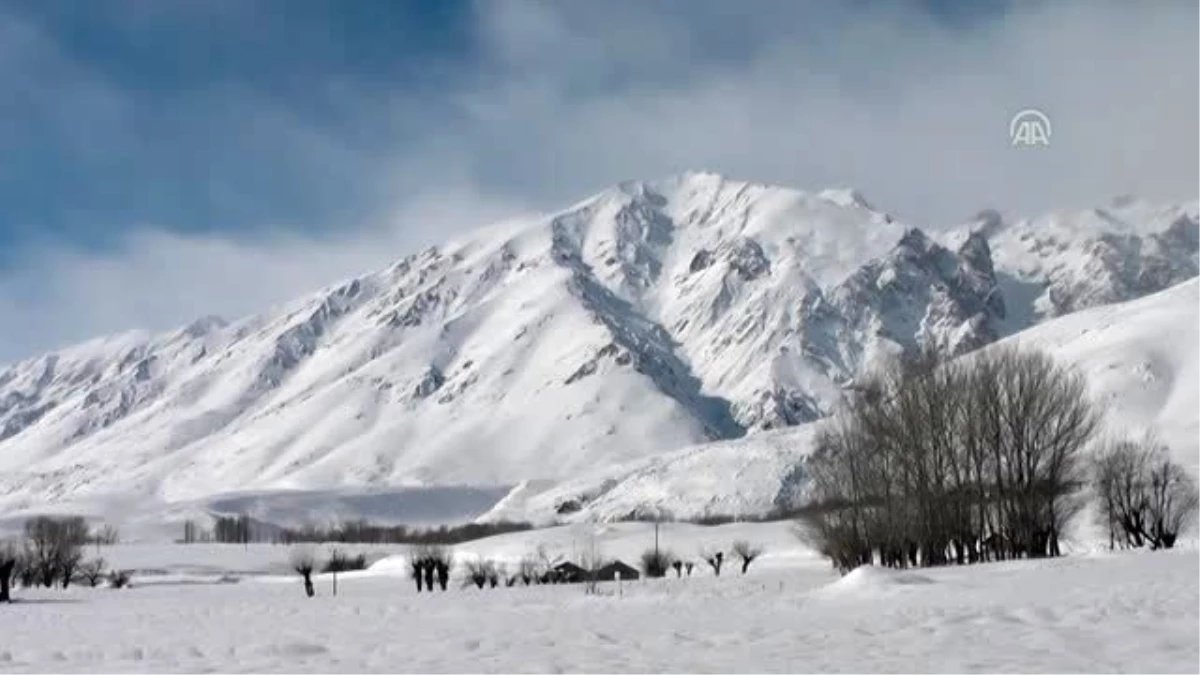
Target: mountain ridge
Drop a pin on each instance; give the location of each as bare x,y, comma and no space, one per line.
649,317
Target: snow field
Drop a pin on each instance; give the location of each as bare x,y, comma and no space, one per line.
1100,613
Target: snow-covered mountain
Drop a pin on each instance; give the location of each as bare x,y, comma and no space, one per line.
1140,358
651,317
1063,262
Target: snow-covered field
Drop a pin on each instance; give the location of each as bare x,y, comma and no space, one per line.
1090,613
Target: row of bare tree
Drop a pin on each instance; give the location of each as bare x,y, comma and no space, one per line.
431,566
52,553
977,459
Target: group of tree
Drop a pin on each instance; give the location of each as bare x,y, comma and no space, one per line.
241,529
305,561
51,553
978,459
430,563
655,563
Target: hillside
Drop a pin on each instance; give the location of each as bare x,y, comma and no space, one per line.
1140,359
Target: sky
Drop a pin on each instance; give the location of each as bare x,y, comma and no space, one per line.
169,159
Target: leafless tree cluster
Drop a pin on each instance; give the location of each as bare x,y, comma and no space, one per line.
340,561
1144,498
431,563
365,532
107,536
930,464
54,548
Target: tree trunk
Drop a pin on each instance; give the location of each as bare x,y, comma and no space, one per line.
308,586
5,576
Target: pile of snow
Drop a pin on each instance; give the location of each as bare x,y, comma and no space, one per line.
872,582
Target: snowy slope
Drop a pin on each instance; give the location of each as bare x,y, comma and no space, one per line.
1140,360
748,476
648,318
1139,357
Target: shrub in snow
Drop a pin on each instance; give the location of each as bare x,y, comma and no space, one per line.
918,468
656,562
304,561
678,565
1144,497
481,572
118,578
747,552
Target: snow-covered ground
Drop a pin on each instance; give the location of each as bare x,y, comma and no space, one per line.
791,613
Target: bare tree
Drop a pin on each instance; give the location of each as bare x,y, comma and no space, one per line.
26,571
92,571
714,559
417,564
1173,501
442,561
10,556
1144,497
68,564
527,570
747,552
304,560
591,560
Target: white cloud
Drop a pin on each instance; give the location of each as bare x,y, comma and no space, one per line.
573,97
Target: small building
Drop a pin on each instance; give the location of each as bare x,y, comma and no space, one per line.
610,570
569,573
